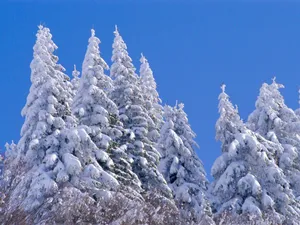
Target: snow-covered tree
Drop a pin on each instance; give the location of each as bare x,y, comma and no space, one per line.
128,96
1,167
91,104
297,111
182,168
99,113
46,114
52,152
75,80
276,122
151,98
68,164
10,155
247,180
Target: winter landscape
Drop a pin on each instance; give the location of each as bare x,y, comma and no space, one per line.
101,149
101,144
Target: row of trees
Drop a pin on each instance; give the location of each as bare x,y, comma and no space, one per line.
102,150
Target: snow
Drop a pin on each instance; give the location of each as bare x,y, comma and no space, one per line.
232,150
91,171
118,154
249,185
34,144
102,156
139,144
244,168
174,166
272,136
51,109
50,160
99,119
83,134
267,201
143,161
234,169
250,206
52,100
289,155
180,166
81,112
182,194
59,123
50,119
108,179
219,164
72,164
61,175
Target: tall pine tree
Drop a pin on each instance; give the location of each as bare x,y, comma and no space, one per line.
247,181
75,80
151,99
128,97
99,114
39,162
276,122
182,168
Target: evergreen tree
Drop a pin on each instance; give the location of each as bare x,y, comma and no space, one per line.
46,114
11,151
297,111
9,163
276,122
151,98
182,169
75,80
62,166
99,114
91,104
128,96
53,153
247,180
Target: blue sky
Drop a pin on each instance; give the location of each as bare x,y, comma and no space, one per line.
192,48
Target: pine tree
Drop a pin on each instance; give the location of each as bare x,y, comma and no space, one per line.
276,122
54,156
61,163
47,113
99,114
151,99
75,80
181,167
297,111
128,97
11,151
91,104
247,180
10,155
1,166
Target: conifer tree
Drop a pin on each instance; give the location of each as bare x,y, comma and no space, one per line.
297,111
61,163
46,114
276,122
91,104
10,155
128,96
54,156
247,180
182,168
151,98
99,114
75,80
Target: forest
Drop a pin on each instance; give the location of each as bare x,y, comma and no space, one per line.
100,147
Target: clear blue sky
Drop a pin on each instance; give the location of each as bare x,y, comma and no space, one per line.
192,48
